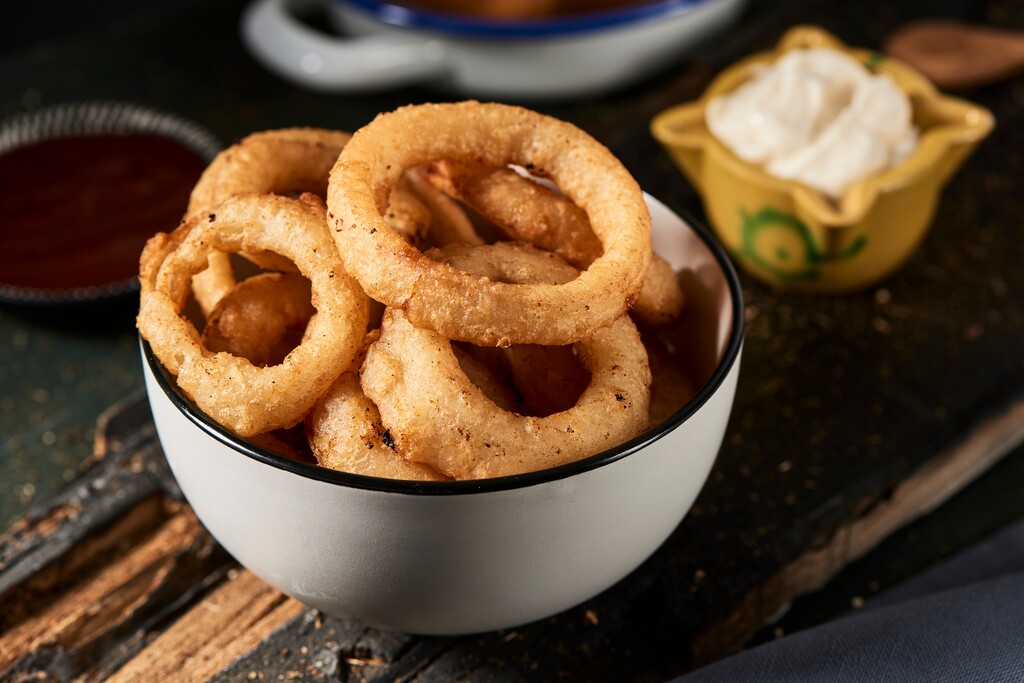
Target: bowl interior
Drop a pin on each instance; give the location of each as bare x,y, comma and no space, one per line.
708,338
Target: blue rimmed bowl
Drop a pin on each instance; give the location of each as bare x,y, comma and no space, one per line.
387,45
461,557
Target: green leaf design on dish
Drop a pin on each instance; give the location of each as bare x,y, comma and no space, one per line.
782,244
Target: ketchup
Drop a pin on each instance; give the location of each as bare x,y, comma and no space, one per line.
76,211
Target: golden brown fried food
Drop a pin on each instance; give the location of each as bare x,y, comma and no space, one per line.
438,417
261,319
246,399
480,360
502,395
288,162
525,210
291,443
462,305
346,434
549,378
671,386
448,222
522,209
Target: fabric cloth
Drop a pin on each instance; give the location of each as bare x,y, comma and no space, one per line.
962,620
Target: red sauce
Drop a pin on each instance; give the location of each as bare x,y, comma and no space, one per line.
76,211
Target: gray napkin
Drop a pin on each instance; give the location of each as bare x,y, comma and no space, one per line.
962,620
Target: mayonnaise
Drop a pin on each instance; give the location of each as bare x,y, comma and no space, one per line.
816,116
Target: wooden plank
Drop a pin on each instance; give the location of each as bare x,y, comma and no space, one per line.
97,618
224,626
19,601
91,575
122,485
920,494
233,631
104,600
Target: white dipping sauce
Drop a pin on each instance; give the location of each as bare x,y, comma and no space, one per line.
816,116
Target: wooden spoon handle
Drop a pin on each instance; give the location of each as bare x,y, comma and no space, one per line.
958,56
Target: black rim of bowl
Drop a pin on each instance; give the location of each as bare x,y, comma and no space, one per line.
446,488
84,118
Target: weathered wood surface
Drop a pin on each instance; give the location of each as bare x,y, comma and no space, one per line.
116,580
854,415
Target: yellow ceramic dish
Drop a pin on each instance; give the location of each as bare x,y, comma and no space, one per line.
790,235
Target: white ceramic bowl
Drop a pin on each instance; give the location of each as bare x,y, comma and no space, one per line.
387,46
462,557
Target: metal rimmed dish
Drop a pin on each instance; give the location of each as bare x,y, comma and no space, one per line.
102,121
397,14
383,45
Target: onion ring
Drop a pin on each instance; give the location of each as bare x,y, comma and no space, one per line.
505,397
461,305
290,443
440,418
672,388
284,161
408,215
346,434
549,378
528,211
449,224
288,161
520,208
443,420
661,299
246,399
261,319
